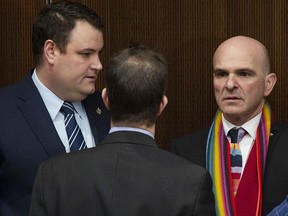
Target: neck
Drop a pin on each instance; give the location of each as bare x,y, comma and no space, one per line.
151,128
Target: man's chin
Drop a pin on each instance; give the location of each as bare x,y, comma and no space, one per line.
231,110
89,90
84,94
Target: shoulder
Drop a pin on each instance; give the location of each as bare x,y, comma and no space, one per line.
279,127
17,93
278,142
69,162
198,137
278,135
20,88
279,132
191,147
191,173
177,164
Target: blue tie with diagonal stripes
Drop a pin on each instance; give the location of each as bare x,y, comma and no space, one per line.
74,134
235,156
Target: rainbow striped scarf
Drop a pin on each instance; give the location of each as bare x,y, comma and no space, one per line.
216,161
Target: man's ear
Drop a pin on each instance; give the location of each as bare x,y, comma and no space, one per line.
270,82
50,49
163,104
105,98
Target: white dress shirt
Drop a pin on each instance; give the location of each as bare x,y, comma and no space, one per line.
54,104
248,140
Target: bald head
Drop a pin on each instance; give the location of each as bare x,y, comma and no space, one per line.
242,78
239,46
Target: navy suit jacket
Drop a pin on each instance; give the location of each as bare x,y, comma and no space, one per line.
28,137
275,183
127,175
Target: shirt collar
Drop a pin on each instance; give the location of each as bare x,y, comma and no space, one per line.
140,130
51,101
250,126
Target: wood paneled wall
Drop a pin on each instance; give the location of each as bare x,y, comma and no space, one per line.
185,31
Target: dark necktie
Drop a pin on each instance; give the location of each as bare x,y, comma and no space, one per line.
235,156
74,134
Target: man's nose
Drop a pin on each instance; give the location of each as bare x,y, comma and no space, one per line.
231,82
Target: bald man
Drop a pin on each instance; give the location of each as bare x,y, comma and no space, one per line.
244,150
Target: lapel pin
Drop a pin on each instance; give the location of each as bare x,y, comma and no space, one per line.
271,134
99,111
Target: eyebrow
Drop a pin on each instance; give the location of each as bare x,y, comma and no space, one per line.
88,49
237,70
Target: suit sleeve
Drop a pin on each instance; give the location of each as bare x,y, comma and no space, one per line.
38,207
205,204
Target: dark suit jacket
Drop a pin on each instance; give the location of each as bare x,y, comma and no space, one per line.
275,183
126,175
28,137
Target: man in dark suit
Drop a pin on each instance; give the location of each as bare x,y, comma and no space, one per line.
127,174
67,39
242,81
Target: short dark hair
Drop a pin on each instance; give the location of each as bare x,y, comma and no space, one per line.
136,80
56,21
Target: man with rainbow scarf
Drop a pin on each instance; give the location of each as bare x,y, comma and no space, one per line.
242,81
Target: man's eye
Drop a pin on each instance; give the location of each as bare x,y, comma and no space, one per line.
86,54
243,74
220,74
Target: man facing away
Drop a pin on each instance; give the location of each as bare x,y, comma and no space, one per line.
248,164
67,38
127,175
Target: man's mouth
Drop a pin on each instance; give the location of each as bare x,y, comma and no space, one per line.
231,98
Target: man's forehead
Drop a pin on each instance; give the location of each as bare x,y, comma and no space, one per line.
238,57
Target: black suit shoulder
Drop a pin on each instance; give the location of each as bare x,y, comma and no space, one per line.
192,147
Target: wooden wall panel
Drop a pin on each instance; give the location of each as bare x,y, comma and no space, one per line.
185,31
15,39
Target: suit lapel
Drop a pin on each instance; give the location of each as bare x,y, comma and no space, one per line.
274,135
34,111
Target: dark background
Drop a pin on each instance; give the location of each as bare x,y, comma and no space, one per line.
186,31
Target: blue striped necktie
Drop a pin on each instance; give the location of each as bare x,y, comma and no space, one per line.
74,134
235,156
